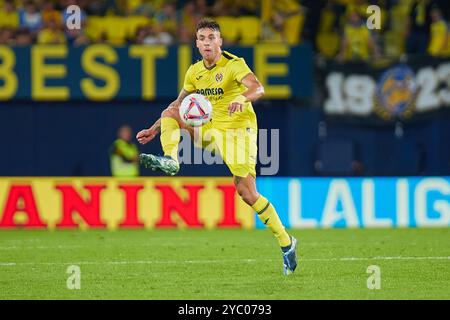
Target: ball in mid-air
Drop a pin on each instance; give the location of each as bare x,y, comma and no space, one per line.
195,110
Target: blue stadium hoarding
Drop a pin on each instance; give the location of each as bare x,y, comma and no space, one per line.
359,202
100,72
396,91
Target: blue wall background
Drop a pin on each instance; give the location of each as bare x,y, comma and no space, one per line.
72,139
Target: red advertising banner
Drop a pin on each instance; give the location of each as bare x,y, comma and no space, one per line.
118,203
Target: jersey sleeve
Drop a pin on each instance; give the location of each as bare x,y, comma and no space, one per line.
188,83
239,69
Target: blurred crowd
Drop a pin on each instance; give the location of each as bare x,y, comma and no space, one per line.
336,28
414,27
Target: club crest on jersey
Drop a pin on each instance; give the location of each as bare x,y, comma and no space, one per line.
219,77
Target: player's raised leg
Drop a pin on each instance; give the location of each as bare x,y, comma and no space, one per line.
246,187
170,137
169,126
170,132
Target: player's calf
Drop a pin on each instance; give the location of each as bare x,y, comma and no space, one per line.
246,187
247,195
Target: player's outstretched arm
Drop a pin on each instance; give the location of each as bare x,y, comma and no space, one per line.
255,90
146,135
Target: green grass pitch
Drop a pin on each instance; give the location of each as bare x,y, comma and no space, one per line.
224,264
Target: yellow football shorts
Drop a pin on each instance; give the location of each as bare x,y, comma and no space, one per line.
237,147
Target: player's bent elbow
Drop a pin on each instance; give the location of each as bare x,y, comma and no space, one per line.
261,91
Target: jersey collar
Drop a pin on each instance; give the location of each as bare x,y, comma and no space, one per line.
220,62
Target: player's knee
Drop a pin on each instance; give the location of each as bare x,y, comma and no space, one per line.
169,112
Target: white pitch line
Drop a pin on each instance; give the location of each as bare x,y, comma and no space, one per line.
377,258
344,259
6,248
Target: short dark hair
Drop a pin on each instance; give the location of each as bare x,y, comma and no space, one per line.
208,23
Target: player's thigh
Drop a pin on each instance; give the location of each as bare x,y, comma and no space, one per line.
172,112
239,151
205,136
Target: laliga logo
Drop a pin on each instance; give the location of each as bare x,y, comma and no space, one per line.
396,93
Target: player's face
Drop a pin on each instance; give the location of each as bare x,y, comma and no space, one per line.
209,43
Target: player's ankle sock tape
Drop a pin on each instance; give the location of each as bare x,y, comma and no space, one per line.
268,215
170,137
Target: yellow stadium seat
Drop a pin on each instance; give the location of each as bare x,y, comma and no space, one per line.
94,27
228,27
327,19
293,28
328,44
399,18
132,5
133,23
394,44
249,29
116,29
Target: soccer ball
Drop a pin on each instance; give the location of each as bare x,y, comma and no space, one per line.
195,110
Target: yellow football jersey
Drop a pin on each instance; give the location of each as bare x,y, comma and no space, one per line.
221,84
439,45
358,37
